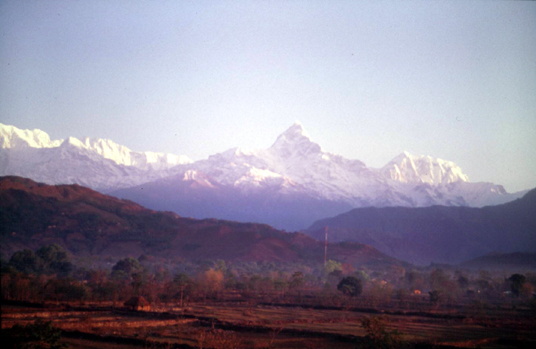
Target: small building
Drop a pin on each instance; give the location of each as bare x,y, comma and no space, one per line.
138,303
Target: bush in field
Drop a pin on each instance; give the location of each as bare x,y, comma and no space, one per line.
438,279
516,283
414,280
210,282
332,266
280,285
463,282
350,286
297,280
435,296
378,336
32,336
219,339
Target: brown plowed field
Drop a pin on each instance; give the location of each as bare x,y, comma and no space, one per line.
257,326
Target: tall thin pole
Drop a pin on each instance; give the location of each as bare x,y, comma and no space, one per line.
326,246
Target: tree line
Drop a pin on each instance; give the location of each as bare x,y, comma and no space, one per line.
49,274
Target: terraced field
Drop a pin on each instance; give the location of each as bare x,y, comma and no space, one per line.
262,326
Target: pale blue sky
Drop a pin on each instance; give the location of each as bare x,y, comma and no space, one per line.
368,80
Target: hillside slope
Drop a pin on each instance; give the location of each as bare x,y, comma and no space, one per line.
438,233
514,262
89,223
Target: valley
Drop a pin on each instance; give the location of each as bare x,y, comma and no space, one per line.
76,258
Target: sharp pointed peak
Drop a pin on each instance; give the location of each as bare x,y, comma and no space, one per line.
294,133
296,128
295,136
404,155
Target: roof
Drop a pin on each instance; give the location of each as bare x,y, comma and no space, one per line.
137,301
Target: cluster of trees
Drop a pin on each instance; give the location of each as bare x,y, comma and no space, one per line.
52,259
49,274
482,285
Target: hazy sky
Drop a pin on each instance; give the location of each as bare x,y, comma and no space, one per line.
367,80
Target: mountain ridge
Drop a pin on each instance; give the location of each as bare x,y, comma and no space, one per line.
294,170
514,261
13,138
94,162
438,234
87,223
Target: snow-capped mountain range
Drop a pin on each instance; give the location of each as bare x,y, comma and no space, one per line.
98,163
294,166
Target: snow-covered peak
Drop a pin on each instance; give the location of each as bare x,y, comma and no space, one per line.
72,141
292,162
296,132
12,137
110,150
292,165
295,142
408,168
231,155
122,155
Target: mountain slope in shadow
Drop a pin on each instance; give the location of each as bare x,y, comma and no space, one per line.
438,233
89,223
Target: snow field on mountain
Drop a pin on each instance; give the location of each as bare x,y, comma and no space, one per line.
292,165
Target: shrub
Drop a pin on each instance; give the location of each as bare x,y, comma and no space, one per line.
435,295
378,337
32,336
516,283
350,286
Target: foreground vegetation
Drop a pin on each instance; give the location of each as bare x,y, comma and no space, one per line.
219,304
